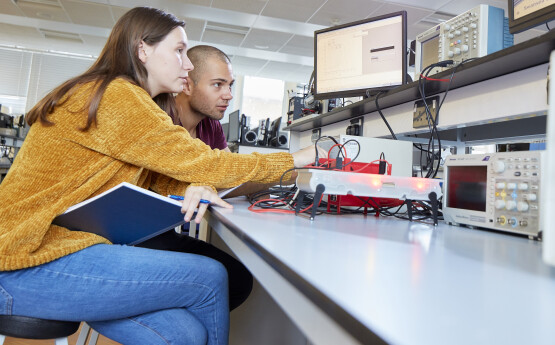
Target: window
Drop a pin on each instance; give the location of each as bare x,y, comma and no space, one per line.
262,99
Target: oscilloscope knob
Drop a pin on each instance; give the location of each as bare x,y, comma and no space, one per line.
498,166
473,25
510,205
532,197
457,32
457,51
464,48
522,206
499,204
450,54
447,27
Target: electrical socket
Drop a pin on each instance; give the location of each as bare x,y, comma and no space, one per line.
356,128
419,116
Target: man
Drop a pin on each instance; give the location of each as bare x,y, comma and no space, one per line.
204,100
206,96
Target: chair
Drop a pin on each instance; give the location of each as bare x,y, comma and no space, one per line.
34,328
85,331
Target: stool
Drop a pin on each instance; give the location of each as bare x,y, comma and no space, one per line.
33,328
85,331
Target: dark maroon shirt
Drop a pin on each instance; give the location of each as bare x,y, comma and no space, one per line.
211,133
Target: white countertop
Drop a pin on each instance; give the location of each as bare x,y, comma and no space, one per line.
408,282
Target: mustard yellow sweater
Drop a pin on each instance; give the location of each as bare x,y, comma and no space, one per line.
133,141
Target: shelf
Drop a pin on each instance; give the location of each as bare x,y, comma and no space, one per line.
518,57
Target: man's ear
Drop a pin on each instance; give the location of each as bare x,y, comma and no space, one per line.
142,51
188,88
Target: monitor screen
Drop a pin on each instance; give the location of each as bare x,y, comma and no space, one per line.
352,58
525,14
234,128
429,49
467,187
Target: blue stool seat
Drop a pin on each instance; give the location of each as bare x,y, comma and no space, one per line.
33,328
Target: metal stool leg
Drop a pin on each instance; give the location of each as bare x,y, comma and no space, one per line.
94,337
85,329
62,341
204,230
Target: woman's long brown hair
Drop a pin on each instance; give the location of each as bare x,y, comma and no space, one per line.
119,58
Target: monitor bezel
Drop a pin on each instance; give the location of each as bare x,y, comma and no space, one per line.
531,20
361,91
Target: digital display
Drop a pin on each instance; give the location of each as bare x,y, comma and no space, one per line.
430,50
467,187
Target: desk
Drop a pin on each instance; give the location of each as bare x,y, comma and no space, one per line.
353,279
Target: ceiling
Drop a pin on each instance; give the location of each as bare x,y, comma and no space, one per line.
266,38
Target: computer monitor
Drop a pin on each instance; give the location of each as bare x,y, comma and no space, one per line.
234,128
225,128
360,58
525,14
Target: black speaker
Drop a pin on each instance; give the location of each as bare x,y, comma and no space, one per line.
279,141
250,137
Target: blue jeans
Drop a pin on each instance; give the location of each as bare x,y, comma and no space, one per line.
129,294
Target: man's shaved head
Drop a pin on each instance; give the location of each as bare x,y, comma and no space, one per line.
199,56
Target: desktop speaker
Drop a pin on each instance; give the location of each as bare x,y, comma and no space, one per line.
279,141
250,137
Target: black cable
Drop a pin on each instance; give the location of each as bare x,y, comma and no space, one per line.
341,150
432,171
435,172
451,79
422,89
381,114
316,160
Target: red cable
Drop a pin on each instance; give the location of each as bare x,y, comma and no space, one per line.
434,79
331,148
366,165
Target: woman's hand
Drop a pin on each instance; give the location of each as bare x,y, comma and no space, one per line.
201,197
307,156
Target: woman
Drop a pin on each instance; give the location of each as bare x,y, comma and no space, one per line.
95,131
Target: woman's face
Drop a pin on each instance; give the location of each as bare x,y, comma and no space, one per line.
166,62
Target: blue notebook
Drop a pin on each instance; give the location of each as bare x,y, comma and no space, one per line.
125,214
